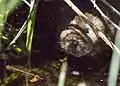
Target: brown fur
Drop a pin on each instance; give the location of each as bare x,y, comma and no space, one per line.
84,42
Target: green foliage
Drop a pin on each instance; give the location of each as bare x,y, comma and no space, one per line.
2,16
30,27
17,45
5,8
11,77
12,4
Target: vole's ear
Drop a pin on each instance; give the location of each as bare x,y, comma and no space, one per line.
74,21
77,19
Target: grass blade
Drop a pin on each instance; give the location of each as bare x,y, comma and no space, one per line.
115,63
62,75
2,18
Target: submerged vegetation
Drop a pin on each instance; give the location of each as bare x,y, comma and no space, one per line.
21,64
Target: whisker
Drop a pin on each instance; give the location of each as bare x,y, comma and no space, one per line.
58,42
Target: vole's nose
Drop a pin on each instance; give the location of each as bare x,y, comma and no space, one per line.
74,43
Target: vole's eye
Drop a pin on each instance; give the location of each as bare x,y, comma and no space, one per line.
86,30
72,26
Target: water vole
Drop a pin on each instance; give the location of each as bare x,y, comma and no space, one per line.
79,38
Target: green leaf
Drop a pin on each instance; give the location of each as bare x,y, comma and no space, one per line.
18,50
12,4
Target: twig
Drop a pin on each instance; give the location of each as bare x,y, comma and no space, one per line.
11,68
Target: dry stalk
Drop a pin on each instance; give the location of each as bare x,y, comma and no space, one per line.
35,77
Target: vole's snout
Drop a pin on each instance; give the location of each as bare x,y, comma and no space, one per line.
73,43
79,38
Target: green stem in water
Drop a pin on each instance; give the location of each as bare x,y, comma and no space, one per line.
62,75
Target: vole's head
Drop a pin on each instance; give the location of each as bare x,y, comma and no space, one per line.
79,38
